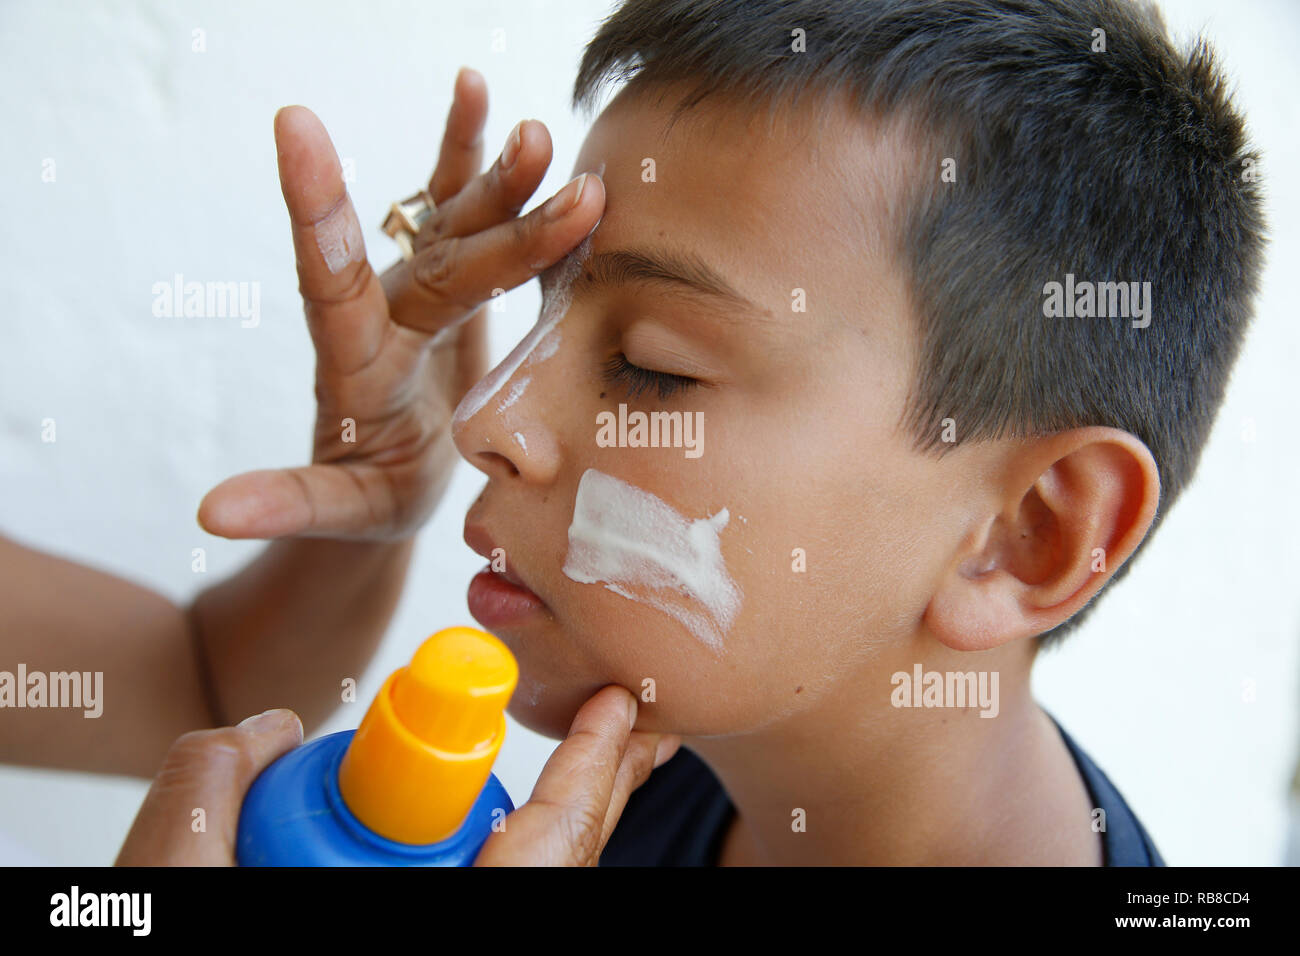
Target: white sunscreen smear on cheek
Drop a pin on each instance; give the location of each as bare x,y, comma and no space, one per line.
640,548
338,237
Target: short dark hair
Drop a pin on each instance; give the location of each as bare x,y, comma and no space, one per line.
1124,163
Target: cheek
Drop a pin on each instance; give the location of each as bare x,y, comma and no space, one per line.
806,625
642,550
820,555
646,600
679,684
599,638
830,563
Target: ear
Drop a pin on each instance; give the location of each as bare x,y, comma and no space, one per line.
1071,509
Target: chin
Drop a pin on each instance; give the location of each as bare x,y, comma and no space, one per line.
545,712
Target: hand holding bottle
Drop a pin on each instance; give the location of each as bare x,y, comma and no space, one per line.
574,807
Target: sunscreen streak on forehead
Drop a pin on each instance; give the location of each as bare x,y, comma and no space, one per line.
338,237
641,549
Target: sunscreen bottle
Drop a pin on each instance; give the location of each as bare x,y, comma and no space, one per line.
412,786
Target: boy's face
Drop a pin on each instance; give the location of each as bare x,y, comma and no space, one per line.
800,443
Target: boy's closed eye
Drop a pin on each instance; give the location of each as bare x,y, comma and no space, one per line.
638,380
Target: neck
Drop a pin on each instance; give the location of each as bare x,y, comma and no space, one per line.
885,785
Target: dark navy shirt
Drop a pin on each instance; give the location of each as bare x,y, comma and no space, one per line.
680,817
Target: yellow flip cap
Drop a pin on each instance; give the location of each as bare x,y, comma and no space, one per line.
426,746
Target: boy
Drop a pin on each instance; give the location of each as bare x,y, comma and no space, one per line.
948,294
840,236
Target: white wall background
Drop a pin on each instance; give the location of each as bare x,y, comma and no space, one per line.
1183,686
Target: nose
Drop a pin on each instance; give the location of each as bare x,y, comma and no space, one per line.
501,425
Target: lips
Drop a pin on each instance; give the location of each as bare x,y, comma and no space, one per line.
499,600
481,543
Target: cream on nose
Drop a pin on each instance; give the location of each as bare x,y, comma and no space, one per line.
537,346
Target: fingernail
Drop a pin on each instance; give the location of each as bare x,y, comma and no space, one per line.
267,720
661,750
631,713
566,198
511,152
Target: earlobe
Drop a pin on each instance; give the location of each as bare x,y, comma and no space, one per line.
974,612
1075,506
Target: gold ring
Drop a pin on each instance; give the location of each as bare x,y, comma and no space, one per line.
404,219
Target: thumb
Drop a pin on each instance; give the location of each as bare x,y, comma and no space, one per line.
208,771
564,821
312,499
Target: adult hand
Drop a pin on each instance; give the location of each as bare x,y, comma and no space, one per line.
583,789
208,770
567,821
395,355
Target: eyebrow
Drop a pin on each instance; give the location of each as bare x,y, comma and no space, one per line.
684,272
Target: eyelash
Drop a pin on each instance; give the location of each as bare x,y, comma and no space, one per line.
638,380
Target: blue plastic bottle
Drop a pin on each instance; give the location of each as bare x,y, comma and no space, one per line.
412,786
